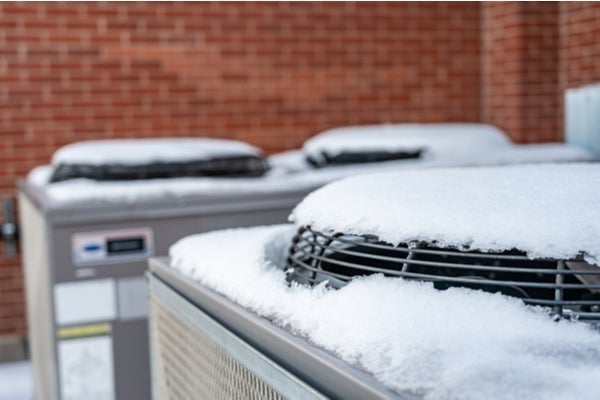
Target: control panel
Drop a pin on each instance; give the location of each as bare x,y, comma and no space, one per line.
107,247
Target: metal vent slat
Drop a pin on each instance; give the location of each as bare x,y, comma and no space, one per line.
403,248
195,357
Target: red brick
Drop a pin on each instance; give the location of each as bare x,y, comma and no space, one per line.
580,30
518,38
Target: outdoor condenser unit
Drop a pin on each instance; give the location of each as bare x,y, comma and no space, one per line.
85,261
206,347
86,292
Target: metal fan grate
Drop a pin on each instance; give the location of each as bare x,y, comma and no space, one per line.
570,287
325,159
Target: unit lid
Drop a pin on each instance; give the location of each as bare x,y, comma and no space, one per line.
132,159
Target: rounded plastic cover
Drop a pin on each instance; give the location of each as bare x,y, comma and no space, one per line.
386,142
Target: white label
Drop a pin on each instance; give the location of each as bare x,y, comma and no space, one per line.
88,301
86,368
133,298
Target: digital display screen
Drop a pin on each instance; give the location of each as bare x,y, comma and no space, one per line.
127,245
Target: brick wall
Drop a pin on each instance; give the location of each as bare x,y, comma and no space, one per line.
271,73
520,69
580,43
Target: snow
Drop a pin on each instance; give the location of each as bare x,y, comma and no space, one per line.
436,139
545,210
289,161
453,344
16,382
40,175
144,151
294,161
519,154
289,173
86,191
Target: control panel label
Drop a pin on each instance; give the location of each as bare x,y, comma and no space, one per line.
107,247
86,301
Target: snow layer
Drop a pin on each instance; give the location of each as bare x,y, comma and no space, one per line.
519,154
294,161
86,191
545,210
40,175
289,161
144,151
435,139
453,344
288,173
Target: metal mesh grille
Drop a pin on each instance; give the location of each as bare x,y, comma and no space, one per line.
325,159
241,166
570,287
189,365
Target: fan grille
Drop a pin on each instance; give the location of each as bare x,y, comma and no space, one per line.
570,287
241,166
325,159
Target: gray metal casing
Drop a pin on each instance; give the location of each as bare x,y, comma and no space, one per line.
48,229
320,373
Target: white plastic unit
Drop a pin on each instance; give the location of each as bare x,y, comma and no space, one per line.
582,117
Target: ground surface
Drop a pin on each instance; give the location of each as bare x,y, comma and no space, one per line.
16,382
